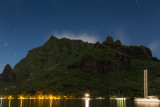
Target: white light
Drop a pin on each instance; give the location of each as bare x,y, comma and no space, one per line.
121,102
87,95
1,101
120,98
87,103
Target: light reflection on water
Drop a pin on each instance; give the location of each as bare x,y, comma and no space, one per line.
87,102
1,102
147,104
9,103
21,102
118,103
121,103
50,103
73,103
43,103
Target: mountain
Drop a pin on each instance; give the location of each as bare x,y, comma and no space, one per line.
73,67
8,74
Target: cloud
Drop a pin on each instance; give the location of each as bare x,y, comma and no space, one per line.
83,36
121,34
154,46
6,44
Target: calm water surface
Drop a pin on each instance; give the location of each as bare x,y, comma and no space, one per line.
74,103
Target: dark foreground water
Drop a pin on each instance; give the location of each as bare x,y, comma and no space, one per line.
74,103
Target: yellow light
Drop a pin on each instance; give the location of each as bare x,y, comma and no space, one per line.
21,97
10,97
41,97
31,97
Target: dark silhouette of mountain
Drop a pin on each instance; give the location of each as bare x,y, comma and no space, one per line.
73,67
8,74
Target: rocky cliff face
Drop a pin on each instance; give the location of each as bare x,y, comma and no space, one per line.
137,52
92,65
65,54
8,74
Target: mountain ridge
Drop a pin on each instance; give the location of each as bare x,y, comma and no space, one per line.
75,67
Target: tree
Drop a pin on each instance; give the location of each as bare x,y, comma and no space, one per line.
108,41
118,43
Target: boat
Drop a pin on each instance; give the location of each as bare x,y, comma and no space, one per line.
99,98
147,98
121,98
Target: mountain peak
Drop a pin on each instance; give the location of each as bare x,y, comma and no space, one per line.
8,74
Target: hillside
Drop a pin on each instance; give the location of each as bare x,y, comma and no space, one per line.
73,67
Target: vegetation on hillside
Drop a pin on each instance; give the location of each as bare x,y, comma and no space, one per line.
73,67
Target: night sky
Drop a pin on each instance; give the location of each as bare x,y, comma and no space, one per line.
26,24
